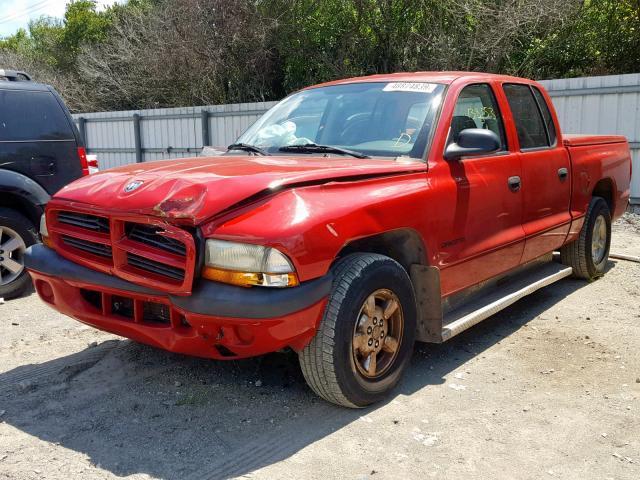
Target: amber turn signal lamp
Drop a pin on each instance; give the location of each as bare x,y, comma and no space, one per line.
44,232
250,279
47,242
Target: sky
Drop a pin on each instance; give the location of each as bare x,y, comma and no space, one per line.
15,14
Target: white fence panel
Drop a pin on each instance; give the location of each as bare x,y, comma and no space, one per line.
121,138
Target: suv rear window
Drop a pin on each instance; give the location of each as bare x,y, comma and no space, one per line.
28,115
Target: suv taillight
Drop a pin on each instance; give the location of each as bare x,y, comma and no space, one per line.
89,163
92,162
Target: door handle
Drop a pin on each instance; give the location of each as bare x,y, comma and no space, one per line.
563,173
514,183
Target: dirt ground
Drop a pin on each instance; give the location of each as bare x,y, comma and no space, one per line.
549,388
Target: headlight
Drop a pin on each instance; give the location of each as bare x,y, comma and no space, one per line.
44,231
247,265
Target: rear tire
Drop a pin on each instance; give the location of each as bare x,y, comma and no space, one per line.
588,254
366,336
16,234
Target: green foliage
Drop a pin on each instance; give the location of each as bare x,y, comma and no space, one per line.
324,40
82,24
603,37
15,42
57,43
157,53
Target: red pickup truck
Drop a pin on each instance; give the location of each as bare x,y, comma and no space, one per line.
352,219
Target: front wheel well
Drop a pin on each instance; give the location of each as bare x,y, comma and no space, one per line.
404,245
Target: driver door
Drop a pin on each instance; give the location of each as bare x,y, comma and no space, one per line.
483,235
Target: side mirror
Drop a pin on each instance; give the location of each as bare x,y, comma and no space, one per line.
473,141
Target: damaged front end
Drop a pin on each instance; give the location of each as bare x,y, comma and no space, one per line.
142,252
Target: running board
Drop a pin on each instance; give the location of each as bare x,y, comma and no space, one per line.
470,314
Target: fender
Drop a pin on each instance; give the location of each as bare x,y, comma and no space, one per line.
312,224
30,195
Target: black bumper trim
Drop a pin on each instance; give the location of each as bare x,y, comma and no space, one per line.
208,298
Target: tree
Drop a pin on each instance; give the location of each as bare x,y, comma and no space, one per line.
82,26
181,52
602,37
161,53
322,40
57,42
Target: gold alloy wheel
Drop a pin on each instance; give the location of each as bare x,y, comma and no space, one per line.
377,334
599,240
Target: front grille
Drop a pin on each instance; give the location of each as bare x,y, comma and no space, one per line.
91,247
152,236
82,220
157,255
155,267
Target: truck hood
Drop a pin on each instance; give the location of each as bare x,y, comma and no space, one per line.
193,190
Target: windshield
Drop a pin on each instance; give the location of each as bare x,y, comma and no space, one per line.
376,119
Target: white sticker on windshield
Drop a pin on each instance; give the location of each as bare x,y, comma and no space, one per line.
410,87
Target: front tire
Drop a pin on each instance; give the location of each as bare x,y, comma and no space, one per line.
16,234
366,336
588,254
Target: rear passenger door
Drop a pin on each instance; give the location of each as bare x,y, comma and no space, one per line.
546,171
37,138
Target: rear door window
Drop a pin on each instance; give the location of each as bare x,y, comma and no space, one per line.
527,117
32,116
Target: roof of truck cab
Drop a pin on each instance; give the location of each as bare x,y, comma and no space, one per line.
431,77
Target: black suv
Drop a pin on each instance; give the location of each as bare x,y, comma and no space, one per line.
40,152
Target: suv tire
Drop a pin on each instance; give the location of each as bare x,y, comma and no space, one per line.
16,234
366,336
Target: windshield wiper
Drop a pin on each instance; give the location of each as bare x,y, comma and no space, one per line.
315,148
248,148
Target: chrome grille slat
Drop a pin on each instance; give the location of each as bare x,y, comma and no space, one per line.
155,267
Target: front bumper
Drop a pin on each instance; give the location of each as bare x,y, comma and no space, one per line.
216,321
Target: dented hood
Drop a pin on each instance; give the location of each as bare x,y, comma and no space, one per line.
192,190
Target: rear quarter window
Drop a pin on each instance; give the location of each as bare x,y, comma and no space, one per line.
546,113
32,116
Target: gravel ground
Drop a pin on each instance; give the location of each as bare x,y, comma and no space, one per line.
548,388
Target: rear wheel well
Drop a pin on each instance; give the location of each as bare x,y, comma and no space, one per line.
604,189
18,203
404,245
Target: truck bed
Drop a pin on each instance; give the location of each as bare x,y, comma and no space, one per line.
573,140
599,163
